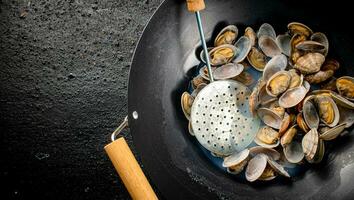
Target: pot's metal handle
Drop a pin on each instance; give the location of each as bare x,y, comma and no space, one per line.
127,167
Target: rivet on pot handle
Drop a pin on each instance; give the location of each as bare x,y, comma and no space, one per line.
127,167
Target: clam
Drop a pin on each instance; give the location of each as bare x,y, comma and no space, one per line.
278,83
330,85
330,64
280,111
283,42
236,162
254,97
310,113
342,101
186,103
190,129
299,28
322,39
198,80
227,35
243,46
268,174
264,98
333,133
269,117
275,155
249,32
310,143
277,167
310,46
301,122
203,72
293,96
295,53
266,30
345,87
293,152
309,63
288,136
198,89
267,137
256,167
257,59
296,79
277,63
319,153
227,71
286,122
327,109
319,76
269,46
346,116
245,78
222,54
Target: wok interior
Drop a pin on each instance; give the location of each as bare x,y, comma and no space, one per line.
160,72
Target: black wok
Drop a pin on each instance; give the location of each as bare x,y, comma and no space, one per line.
171,158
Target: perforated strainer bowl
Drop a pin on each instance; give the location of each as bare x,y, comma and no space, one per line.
221,119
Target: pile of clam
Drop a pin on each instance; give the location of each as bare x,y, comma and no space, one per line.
302,105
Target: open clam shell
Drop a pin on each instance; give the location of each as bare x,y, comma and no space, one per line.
310,143
341,100
319,153
327,109
245,77
330,64
198,80
222,54
227,35
266,30
301,122
293,96
203,72
345,87
236,162
299,28
288,136
322,39
249,32
296,79
277,63
283,42
186,104
267,137
346,116
268,174
278,168
309,63
202,54
274,154
256,167
310,113
333,133
295,54
254,97
286,123
269,46
269,117
319,76
310,46
227,71
257,59
293,152
278,83
243,46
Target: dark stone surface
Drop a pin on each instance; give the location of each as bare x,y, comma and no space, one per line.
63,89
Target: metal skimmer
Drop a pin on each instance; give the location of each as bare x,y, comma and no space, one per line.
221,119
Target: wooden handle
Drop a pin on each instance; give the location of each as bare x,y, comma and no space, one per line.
129,170
195,5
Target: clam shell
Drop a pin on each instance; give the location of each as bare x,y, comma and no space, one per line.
296,79
319,153
288,136
330,85
269,46
310,113
333,133
203,72
198,89
222,54
266,30
278,168
283,42
278,83
243,46
235,158
255,167
254,97
227,35
269,117
264,98
227,71
319,76
190,129
310,46
267,137
202,55
301,122
287,120
345,87
295,54
310,143
293,152
198,80
326,108
330,64
299,28
257,59
293,96
249,32
268,174
342,101
245,77
322,39
277,63
186,104
309,63
346,116
275,155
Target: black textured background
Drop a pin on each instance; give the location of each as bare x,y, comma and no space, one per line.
63,88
